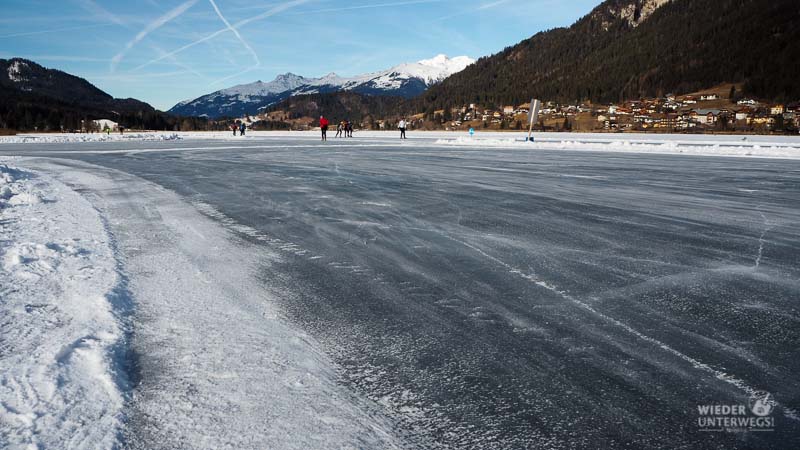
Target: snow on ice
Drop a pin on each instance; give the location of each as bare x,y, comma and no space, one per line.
217,365
59,332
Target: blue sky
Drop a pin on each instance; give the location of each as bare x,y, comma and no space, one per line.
171,50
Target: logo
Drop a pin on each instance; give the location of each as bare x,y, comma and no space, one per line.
754,416
761,403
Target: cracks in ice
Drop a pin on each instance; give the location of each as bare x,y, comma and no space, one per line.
761,240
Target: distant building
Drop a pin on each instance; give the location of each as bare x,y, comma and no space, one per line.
776,110
707,97
104,124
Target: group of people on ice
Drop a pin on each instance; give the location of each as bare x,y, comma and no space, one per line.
346,127
238,126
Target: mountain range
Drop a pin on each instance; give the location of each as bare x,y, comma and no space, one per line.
405,80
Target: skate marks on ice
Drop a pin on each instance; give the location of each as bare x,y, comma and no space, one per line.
217,365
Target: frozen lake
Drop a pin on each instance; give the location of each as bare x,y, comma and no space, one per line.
513,297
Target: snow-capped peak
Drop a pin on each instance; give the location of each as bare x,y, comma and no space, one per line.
437,68
15,71
408,79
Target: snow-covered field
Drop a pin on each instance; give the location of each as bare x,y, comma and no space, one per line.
61,138
785,147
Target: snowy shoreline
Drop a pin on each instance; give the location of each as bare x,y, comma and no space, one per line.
781,147
61,380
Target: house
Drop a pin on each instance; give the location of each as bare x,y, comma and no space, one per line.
776,110
747,102
708,97
103,124
707,116
508,110
743,114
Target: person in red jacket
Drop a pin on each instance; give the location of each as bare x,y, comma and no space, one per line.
323,125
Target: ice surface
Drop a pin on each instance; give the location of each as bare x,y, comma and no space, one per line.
482,296
216,364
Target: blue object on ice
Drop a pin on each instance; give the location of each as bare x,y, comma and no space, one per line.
471,131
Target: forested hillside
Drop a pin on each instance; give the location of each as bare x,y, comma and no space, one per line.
615,53
361,108
33,97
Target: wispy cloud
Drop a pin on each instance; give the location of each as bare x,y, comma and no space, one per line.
55,30
152,26
370,6
229,77
469,11
99,12
270,12
174,61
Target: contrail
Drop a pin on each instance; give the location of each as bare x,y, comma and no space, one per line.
236,33
278,9
56,30
156,24
271,12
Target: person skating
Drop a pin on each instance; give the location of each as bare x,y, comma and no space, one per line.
348,129
339,129
402,126
323,126
233,128
242,129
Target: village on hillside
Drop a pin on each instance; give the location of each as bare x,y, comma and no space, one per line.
717,110
722,109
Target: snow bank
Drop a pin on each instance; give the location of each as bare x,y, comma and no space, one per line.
58,331
62,138
666,146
